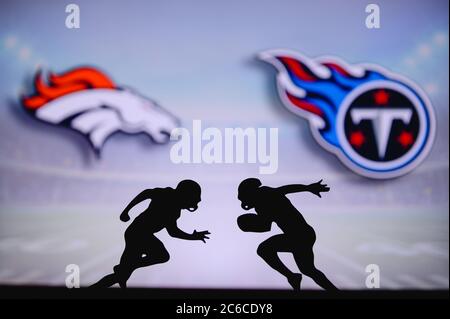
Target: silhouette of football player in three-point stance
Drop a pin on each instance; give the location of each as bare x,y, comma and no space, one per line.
272,205
142,248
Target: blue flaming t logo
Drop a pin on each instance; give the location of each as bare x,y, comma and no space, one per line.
378,123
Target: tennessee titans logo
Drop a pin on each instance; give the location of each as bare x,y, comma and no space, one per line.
86,100
379,124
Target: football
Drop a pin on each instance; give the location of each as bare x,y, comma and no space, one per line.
250,222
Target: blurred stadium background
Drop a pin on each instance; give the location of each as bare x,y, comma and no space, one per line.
59,204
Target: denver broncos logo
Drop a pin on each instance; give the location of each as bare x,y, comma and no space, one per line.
86,100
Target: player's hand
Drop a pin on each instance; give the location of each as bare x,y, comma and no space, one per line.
318,187
124,216
201,235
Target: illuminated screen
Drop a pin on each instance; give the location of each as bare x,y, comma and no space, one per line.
101,100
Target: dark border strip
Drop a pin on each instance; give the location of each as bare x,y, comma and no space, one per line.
39,292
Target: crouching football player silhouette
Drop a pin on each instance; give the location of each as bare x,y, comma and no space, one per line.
142,248
272,205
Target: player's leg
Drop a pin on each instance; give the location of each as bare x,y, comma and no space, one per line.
140,254
304,258
106,281
269,249
153,253
121,272
128,261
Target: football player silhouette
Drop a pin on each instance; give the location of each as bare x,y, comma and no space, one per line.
142,248
272,205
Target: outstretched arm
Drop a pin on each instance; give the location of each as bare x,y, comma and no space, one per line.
176,232
294,188
145,194
315,188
